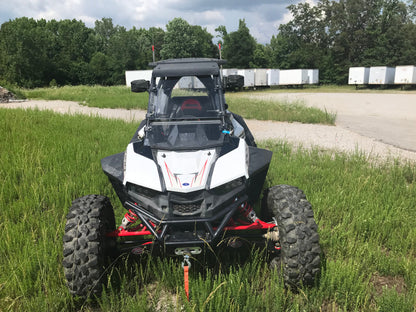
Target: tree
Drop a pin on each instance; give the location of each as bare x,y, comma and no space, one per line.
156,37
183,40
104,30
239,46
302,42
100,69
23,52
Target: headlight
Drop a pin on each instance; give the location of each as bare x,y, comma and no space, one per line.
229,186
143,191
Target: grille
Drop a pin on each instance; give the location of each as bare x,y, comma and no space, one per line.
186,208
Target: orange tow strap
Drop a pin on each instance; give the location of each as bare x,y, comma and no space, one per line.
186,264
186,280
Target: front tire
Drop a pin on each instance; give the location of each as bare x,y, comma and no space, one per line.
299,258
86,248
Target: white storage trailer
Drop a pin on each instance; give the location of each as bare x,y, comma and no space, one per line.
273,77
293,77
405,75
248,75
260,77
136,75
229,71
358,75
381,75
313,76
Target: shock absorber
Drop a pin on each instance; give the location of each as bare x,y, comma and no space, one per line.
129,218
248,212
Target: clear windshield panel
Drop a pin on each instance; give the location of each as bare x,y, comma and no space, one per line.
186,98
186,134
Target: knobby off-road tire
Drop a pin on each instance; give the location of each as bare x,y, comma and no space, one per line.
87,250
299,258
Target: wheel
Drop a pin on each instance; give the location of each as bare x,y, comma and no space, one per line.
299,256
86,249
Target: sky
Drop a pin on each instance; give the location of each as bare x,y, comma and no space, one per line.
262,17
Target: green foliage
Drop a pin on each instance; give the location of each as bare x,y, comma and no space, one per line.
334,35
242,104
365,212
329,35
279,111
183,40
239,47
94,96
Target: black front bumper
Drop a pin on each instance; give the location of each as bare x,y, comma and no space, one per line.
187,231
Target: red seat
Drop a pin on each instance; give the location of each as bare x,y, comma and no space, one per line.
191,104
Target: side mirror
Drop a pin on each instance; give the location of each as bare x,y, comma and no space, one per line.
140,85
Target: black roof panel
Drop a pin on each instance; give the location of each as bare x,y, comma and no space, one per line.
186,67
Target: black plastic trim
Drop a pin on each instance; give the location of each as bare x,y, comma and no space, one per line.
224,216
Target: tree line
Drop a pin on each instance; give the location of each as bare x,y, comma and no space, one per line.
331,36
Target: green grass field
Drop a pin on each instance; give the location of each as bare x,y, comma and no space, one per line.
366,214
122,97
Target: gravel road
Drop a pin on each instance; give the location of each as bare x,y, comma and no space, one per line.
363,120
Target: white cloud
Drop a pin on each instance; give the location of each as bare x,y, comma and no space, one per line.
262,17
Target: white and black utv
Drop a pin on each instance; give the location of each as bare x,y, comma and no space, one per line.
189,179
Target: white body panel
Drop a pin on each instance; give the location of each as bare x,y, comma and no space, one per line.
405,75
185,171
136,75
381,75
358,75
231,166
248,76
260,77
293,77
273,77
313,76
140,170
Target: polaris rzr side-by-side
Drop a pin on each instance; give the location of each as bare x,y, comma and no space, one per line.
189,179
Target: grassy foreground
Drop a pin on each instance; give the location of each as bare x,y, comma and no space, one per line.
366,216
122,97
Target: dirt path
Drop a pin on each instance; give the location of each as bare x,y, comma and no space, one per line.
389,118
338,138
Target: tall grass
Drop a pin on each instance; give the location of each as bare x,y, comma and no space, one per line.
278,110
122,97
94,96
366,215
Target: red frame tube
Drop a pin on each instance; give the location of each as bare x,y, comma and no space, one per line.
258,225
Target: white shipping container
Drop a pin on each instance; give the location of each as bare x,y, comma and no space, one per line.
197,83
136,75
381,75
229,71
313,76
248,75
405,75
185,83
293,77
273,77
358,75
260,77
189,82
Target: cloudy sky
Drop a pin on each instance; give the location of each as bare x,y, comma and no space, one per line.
261,16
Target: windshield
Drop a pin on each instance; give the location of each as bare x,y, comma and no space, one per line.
185,134
189,97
